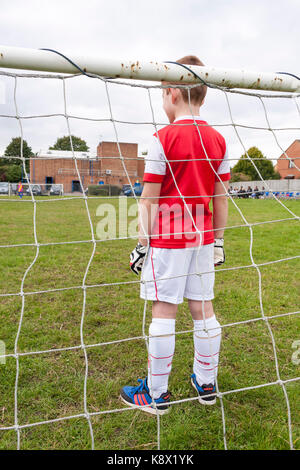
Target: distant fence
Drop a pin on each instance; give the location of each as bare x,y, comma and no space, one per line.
273,185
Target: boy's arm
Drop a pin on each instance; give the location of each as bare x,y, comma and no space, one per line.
147,210
220,214
220,208
155,170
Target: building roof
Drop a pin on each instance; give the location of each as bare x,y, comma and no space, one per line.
115,142
65,154
283,155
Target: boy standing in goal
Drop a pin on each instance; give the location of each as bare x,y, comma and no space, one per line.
186,166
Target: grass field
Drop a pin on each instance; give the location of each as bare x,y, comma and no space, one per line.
51,384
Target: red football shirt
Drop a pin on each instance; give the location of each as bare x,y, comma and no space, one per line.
188,165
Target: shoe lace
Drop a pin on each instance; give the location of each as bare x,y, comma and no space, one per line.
142,386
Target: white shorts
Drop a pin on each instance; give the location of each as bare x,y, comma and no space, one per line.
178,268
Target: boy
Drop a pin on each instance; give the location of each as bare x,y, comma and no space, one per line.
179,182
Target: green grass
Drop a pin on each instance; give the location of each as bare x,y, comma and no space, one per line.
51,384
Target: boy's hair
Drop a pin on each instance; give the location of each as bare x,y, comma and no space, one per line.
198,93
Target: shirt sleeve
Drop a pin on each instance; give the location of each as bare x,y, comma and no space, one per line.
155,162
224,168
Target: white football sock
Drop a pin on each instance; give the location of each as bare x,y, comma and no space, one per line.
207,348
161,352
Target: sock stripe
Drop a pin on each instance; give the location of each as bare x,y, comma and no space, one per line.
205,364
202,355
166,357
202,362
158,375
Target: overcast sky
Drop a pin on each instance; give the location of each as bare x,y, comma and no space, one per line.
260,35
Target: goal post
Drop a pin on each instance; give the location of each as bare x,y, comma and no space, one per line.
243,256
49,61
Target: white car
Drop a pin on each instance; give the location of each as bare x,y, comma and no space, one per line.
4,188
55,190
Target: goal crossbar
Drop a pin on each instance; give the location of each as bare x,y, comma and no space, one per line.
47,61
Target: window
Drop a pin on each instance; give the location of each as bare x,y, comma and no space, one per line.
291,164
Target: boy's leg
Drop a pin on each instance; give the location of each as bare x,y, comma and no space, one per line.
172,266
161,346
207,332
207,340
163,282
198,308
164,310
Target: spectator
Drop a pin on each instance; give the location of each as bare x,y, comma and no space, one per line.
241,192
256,192
234,192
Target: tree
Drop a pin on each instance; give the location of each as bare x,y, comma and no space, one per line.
11,168
63,143
14,150
263,164
11,173
237,177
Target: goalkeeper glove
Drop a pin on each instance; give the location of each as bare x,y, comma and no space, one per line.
137,257
219,253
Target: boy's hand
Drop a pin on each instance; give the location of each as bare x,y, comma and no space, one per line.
219,253
137,257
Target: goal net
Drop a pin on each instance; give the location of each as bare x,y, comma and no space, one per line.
73,330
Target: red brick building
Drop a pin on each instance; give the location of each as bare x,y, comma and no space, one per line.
285,167
58,167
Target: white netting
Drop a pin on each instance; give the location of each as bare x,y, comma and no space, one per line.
87,413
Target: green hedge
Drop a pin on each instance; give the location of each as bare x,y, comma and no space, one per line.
104,190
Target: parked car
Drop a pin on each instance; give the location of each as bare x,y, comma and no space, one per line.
125,188
4,188
138,189
36,190
55,190
14,188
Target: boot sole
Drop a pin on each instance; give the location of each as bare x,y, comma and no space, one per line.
148,409
202,400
